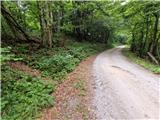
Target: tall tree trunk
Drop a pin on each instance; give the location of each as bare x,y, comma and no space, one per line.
146,35
157,48
133,43
50,24
59,17
141,44
153,44
40,20
46,22
157,37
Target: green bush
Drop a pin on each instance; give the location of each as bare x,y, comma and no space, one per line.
78,53
59,61
22,95
63,60
57,66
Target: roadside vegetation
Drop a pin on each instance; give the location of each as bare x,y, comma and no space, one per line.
23,95
53,37
143,31
143,62
80,85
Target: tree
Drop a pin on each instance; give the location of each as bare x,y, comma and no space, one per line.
46,22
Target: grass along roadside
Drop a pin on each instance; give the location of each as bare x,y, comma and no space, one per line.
143,62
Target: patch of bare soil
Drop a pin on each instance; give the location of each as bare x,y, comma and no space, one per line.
73,95
25,68
20,66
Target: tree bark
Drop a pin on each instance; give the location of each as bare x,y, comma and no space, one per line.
153,44
15,27
12,22
153,58
46,23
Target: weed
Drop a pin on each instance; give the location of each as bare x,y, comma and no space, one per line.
84,111
81,86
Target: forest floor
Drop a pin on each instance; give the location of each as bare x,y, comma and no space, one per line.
74,95
124,90
37,79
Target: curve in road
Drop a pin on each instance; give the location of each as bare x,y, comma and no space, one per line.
124,90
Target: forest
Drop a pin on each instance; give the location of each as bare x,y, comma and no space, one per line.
42,42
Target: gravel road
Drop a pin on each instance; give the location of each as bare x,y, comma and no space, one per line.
124,90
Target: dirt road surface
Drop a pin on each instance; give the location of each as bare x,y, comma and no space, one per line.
124,90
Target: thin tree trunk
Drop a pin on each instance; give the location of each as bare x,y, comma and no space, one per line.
153,44
41,20
50,23
46,22
141,44
146,35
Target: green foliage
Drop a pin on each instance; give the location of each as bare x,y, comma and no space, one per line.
6,55
62,61
80,85
107,22
142,26
121,38
58,65
86,20
23,96
145,63
22,48
59,61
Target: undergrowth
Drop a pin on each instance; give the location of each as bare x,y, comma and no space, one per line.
23,96
143,62
59,61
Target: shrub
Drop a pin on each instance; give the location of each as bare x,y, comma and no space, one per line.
22,95
57,66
